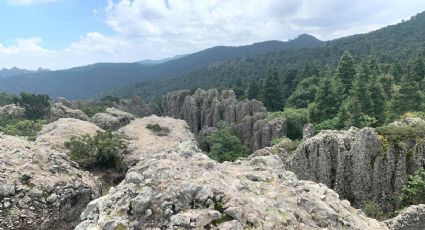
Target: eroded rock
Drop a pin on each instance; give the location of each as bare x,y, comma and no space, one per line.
59,110
40,188
112,119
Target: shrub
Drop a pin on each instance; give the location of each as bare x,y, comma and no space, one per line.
37,106
375,211
225,146
90,111
295,118
414,191
158,130
16,127
103,150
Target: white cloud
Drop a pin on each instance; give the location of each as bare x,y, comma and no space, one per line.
30,45
27,2
162,28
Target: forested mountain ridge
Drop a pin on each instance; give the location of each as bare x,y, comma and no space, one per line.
88,80
395,44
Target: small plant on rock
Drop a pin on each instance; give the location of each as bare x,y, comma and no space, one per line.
158,130
103,150
414,191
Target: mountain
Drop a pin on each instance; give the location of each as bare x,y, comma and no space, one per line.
160,61
87,81
16,71
397,44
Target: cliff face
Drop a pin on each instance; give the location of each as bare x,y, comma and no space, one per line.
361,165
206,109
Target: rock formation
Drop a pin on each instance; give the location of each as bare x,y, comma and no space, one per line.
136,106
361,165
57,133
12,110
205,109
112,119
39,187
179,187
59,110
411,218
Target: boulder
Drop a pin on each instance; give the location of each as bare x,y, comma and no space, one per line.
40,188
410,218
136,106
12,110
112,119
59,110
182,188
57,133
145,141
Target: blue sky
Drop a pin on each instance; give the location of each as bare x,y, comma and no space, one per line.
59,34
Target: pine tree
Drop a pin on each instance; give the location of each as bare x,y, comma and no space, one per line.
361,91
378,101
328,99
271,92
253,90
351,114
408,98
346,71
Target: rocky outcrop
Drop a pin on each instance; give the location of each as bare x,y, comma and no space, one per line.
12,110
361,165
112,119
40,188
411,218
59,110
181,188
206,109
57,133
137,107
144,141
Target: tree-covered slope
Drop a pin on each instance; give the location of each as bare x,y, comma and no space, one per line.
398,44
87,81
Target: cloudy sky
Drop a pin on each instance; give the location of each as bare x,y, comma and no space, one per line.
59,34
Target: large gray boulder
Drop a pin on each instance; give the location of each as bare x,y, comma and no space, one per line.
40,188
206,109
112,119
55,134
410,218
59,110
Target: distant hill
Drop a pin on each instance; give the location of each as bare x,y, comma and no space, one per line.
16,71
160,61
87,81
392,44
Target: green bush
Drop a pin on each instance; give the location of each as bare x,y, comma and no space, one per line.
16,127
103,150
37,106
225,146
375,211
414,191
90,111
295,118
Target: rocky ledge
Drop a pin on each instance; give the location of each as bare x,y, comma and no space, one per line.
40,188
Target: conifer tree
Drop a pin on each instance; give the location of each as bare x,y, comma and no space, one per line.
271,92
328,99
346,71
253,90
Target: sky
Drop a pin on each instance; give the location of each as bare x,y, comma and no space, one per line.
59,34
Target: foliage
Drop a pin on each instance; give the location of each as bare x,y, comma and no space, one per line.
91,111
295,119
225,146
158,130
19,127
374,210
414,191
6,99
37,106
270,90
103,150
346,71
